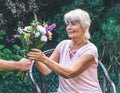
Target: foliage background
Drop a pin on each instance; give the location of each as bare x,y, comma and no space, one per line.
105,31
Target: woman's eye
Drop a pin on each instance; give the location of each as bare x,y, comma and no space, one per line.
67,24
73,23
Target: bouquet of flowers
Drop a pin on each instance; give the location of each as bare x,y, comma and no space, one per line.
34,36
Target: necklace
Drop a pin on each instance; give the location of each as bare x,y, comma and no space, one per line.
74,49
72,53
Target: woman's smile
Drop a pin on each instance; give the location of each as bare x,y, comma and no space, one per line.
71,32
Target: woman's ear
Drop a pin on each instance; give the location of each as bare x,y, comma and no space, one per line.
84,29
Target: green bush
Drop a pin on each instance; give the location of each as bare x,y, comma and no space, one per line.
9,82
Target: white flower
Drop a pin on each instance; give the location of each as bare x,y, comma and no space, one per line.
37,34
28,28
41,29
20,30
33,23
44,38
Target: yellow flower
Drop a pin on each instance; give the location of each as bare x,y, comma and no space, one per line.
50,35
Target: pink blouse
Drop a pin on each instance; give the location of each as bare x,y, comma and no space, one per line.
87,81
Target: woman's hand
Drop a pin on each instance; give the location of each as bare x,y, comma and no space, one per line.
37,55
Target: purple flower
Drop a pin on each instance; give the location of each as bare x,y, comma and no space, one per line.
47,34
31,34
35,27
24,31
51,27
16,36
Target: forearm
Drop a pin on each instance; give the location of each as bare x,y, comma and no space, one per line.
58,68
77,67
8,65
50,62
43,68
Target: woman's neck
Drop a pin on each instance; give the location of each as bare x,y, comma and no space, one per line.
76,44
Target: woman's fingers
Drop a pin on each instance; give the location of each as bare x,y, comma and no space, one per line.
35,50
35,54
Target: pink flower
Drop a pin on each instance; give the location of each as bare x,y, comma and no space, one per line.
29,43
16,36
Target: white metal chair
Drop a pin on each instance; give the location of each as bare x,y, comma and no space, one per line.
49,84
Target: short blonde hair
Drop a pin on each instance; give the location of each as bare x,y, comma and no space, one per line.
81,16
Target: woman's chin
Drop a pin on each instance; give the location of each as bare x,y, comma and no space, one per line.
70,35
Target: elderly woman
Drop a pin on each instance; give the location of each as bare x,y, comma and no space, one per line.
75,60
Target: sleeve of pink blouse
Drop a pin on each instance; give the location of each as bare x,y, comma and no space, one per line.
59,47
92,50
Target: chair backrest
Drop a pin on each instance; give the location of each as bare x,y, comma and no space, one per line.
107,84
49,84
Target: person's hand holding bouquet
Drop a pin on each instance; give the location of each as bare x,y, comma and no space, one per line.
34,36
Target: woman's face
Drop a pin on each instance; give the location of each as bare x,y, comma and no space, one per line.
74,29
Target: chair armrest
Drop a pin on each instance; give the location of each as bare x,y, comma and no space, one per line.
107,77
35,86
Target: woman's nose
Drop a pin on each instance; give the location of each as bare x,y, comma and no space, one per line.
68,27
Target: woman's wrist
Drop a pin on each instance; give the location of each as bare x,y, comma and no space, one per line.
46,59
